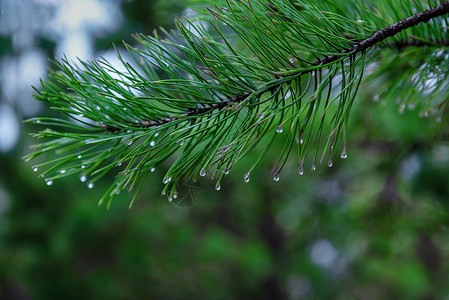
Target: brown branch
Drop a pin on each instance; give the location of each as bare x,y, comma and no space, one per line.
379,36
421,17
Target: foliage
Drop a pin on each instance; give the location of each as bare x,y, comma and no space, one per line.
192,98
383,214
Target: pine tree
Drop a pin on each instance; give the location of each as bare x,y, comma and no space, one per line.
229,83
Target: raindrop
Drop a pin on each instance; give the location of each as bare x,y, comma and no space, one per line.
376,98
166,180
117,193
83,178
261,116
279,129
411,106
276,177
156,134
175,195
129,142
81,115
402,109
125,108
170,199
203,172
300,167
217,186
35,169
48,181
329,163
90,185
163,193
226,171
313,167
79,156
37,121
98,107
301,141
153,169
181,143
62,171
246,177
152,143
83,167
344,155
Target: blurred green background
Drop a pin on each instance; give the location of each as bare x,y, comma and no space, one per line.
374,226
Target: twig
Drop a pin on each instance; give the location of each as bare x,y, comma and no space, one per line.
421,17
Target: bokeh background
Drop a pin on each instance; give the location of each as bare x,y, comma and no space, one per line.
374,226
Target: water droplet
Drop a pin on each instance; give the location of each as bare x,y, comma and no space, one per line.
166,180
79,156
279,129
276,177
90,185
313,167
402,109
175,195
153,169
329,163
344,155
37,121
246,177
62,171
98,107
83,178
152,143
35,169
203,172
181,143
226,171
81,115
261,116
376,98
128,142
83,167
411,106
170,199
301,167
125,108
156,134
217,186
117,193
48,181
301,141
163,193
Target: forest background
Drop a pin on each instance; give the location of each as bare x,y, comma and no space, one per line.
374,226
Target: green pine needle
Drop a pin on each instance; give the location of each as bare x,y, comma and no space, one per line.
225,85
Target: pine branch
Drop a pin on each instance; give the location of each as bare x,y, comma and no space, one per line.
210,99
